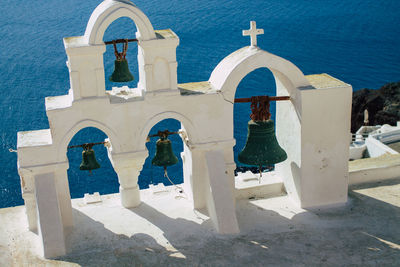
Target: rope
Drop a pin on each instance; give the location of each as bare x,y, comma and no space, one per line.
180,189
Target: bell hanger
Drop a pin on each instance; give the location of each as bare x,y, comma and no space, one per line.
121,69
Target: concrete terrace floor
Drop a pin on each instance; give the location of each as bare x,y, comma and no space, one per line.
165,231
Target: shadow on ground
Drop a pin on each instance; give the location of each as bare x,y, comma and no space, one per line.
365,232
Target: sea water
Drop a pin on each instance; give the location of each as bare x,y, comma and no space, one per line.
357,41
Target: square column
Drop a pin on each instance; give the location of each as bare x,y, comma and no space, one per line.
86,68
220,197
64,196
27,176
316,138
157,63
209,181
193,175
326,117
50,225
28,194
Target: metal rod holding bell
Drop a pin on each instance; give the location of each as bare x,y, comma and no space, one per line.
119,41
262,147
271,98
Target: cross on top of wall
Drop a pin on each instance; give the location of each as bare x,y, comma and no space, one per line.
253,32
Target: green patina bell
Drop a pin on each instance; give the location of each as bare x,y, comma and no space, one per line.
121,72
89,161
164,155
261,147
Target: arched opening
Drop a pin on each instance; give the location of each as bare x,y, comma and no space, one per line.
289,81
151,174
122,28
108,11
260,81
103,180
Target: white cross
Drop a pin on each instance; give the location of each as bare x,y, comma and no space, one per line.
253,32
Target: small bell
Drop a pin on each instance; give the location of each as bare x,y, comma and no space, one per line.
261,147
121,69
121,72
89,161
164,155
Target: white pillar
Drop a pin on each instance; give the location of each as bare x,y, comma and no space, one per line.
193,175
325,128
220,197
50,223
28,194
315,138
63,195
30,210
128,167
86,68
210,186
157,63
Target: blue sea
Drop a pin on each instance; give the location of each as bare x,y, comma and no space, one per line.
357,41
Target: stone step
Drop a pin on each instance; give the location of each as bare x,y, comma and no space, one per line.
248,185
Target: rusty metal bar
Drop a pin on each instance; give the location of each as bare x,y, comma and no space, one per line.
88,145
271,98
163,133
118,41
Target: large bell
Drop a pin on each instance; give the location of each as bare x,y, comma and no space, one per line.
164,155
121,72
89,161
261,147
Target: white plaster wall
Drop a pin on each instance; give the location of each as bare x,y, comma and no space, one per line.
289,136
372,175
325,149
376,148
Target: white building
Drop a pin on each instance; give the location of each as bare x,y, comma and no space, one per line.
313,127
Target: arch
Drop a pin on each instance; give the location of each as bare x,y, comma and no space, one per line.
111,10
232,69
187,124
62,147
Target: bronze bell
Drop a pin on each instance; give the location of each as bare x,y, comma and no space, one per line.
121,72
121,69
164,155
89,161
261,147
